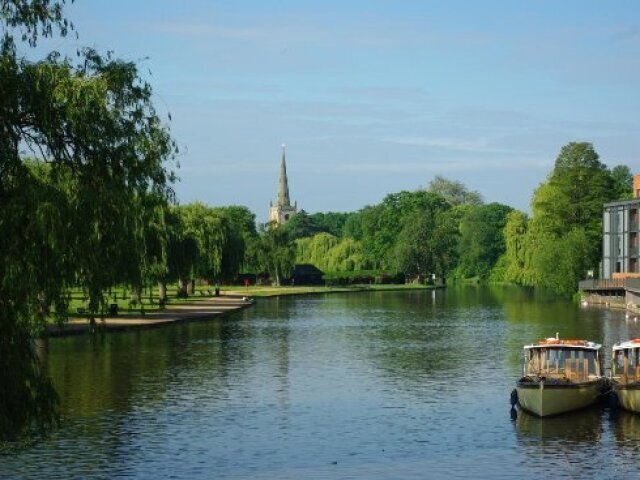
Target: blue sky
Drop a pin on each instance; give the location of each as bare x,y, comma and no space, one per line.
373,97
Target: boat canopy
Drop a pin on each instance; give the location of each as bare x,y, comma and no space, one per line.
564,344
626,361
574,362
633,343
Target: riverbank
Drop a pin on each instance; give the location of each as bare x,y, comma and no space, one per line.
195,308
268,291
200,309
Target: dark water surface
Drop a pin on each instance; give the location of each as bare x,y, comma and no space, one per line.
370,385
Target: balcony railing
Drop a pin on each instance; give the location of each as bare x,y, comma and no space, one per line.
610,284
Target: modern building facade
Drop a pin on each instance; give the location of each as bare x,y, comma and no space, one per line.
282,211
621,237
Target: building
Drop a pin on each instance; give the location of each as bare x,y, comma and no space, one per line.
621,242
282,211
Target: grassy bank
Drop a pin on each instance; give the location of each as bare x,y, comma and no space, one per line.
268,291
78,305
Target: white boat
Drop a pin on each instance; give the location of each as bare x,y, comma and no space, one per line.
559,376
625,374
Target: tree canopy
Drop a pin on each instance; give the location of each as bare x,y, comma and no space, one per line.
454,192
98,152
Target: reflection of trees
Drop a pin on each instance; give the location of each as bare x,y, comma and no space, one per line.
108,372
104,380
553,434
532,314
410,337
27,396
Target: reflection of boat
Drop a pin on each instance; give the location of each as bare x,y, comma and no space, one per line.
627,429
584,426
559,376
625,374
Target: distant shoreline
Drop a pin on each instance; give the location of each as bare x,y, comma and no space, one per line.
231,300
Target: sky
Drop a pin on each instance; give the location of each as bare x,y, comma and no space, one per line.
373,97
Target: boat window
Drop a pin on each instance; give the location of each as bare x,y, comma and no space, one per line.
572,363
618,362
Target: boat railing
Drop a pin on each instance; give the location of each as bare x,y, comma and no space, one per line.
576,369
632,375
572,369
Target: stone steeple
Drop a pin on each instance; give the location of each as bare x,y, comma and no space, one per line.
283,188
282,211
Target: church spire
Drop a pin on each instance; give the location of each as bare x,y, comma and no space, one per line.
282,211
283,188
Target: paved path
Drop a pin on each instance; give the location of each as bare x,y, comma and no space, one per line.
174,313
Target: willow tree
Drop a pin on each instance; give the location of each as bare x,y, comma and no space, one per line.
218,240
95,126
277,252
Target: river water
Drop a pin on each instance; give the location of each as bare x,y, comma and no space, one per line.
376,385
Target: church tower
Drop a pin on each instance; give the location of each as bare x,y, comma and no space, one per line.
282,211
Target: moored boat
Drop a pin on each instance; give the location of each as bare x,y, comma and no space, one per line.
625,374
559,376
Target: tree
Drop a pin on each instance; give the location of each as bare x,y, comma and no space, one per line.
106,150
331,222
572,198
301,225
562,240
381,224
515,236
238,253
413,251
277,252
623,182
331,254
564,261
454,192
482,239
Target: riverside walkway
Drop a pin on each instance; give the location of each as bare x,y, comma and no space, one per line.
175,313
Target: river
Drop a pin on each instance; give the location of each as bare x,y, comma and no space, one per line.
376,385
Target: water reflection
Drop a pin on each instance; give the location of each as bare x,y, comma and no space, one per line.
334,386
583,427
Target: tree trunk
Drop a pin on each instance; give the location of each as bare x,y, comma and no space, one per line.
162,291
190,286
182,288
43,300
136,294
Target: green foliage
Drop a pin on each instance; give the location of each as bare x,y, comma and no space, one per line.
277,252
454,192
301,225
622,182
331,222
413,250
482,239
304,225
575,193
211,242
330,254
515,256
562,262
562,240
381,224
78,212
32,18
